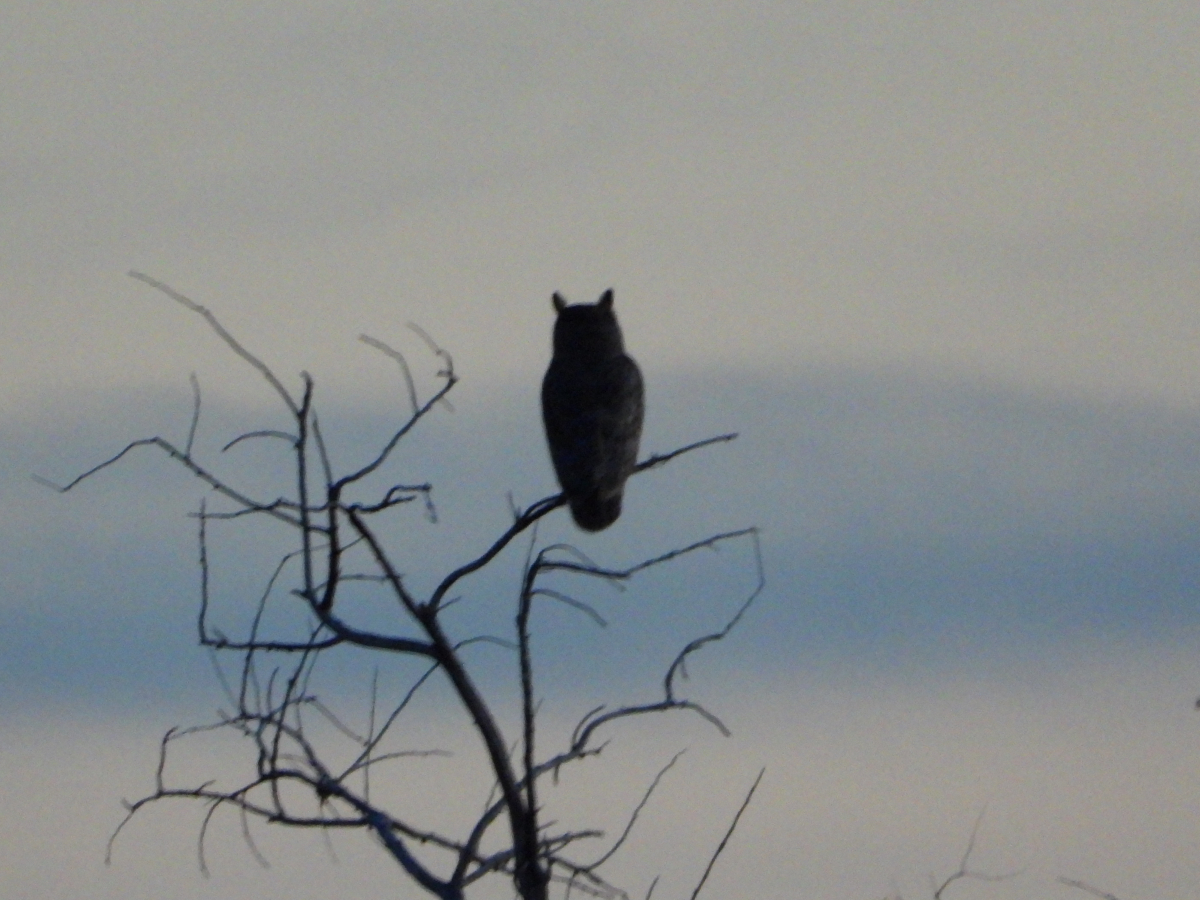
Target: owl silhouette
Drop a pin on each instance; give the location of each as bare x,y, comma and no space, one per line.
592,406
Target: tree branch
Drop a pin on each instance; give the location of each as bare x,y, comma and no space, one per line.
224,335
728,834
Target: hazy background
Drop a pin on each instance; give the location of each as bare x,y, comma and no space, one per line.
937,263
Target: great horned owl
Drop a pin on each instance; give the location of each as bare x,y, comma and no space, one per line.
592,406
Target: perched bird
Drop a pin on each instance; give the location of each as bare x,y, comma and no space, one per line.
592,406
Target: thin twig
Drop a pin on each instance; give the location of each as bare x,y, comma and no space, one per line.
224,335
178,455
398,357
728,834
1084,886
195,413
636,812
265,432
963,871
661,459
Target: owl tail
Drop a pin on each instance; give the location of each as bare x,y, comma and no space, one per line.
596,511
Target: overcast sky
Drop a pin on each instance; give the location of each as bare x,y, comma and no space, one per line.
937,263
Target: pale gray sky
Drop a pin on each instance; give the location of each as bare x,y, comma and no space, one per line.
1007,192
937,262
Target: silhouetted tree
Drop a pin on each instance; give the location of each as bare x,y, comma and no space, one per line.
298,778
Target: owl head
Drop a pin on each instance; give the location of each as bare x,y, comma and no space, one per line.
587,330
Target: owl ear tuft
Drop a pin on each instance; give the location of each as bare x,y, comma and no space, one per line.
559,303
606,299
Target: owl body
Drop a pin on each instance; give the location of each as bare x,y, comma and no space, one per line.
592,406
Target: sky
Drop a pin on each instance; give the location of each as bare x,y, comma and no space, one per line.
935,263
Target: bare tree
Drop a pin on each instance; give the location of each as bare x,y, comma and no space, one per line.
338,541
